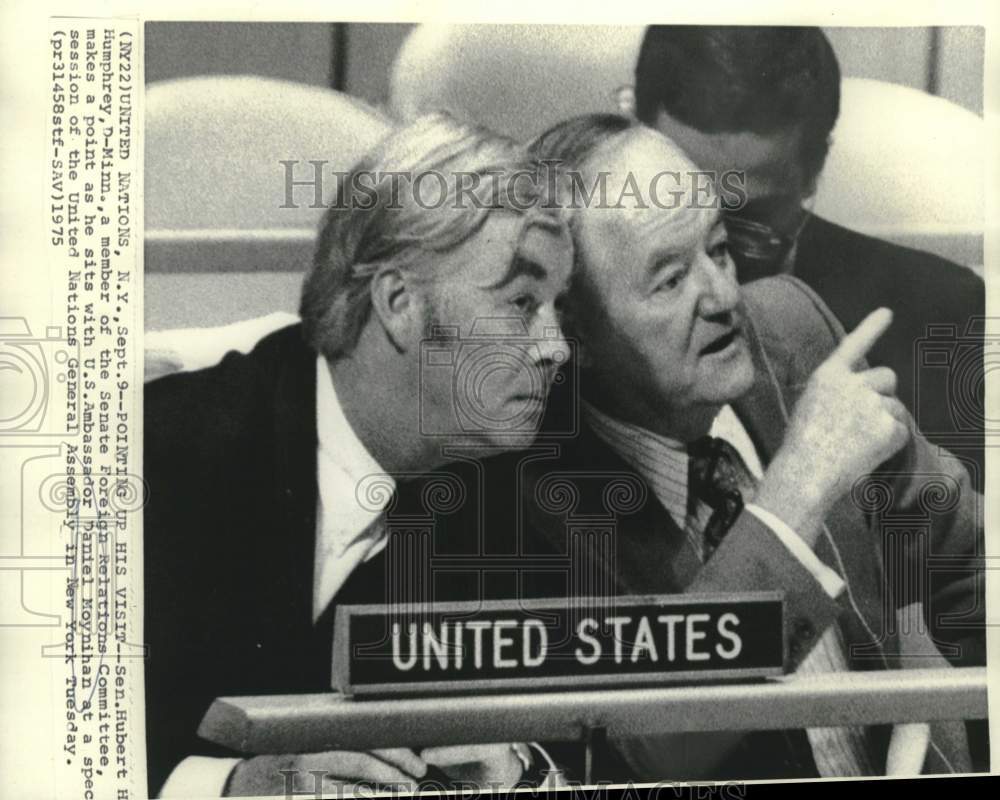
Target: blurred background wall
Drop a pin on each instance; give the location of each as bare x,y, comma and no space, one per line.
355,57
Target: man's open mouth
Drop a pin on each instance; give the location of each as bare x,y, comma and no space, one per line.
720,344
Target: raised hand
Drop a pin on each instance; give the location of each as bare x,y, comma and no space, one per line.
846,423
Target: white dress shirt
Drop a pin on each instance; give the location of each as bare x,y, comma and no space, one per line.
353,492
663,463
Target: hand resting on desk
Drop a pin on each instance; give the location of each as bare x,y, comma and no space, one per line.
341,772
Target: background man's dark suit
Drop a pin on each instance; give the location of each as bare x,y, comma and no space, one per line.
854,274
230,459
791,334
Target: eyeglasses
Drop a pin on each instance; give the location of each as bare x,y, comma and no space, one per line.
758,243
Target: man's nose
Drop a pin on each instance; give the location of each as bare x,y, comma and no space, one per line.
720,292
553,347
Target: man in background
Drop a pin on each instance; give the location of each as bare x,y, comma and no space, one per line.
271,473
764,100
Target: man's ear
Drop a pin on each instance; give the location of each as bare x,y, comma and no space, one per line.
396,307
573,334
581,354
625,100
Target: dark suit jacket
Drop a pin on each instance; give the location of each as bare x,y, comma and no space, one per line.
940,376
791,333
230,459
230,527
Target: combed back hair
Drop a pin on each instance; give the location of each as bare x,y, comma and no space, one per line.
724,79
572,143
378,219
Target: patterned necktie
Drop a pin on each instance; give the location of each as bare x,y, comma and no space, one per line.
714,478
718,478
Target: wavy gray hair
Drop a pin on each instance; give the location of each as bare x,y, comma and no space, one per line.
380,216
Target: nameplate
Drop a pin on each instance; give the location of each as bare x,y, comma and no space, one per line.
571,644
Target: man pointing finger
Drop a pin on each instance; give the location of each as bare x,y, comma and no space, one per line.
845,424
773,458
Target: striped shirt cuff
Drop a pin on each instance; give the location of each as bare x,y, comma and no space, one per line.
831,582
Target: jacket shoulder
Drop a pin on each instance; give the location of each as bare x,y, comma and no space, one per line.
217,403
855,273
789,318
823,242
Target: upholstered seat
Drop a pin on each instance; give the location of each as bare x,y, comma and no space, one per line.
905,165
218,224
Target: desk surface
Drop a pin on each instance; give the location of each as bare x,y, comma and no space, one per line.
313,722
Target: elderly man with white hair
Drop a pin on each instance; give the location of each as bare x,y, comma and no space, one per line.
772,458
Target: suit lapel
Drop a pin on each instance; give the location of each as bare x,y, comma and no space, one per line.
649,553
766,408
849,546
294,456
847,542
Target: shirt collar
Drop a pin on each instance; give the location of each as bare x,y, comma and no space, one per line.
349,506
337,439
663,462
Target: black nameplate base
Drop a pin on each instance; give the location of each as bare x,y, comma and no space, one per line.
442,648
